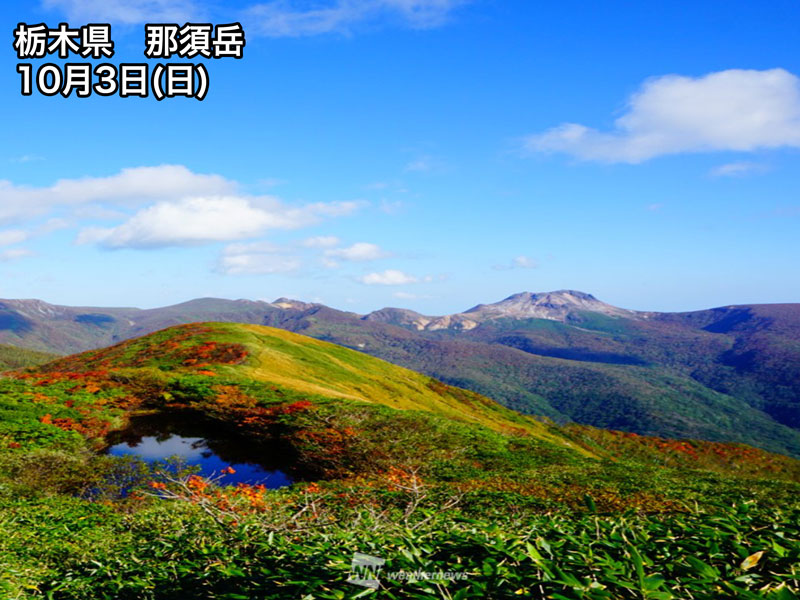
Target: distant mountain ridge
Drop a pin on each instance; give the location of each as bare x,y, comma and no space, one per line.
62,331
730,373
554,306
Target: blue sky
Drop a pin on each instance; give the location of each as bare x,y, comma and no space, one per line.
430,154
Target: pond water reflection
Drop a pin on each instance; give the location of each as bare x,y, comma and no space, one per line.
207,445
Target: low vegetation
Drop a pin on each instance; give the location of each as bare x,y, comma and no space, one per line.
12,357
389,463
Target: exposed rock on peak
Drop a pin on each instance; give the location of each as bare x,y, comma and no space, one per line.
288,303
556,306
32,308
399,316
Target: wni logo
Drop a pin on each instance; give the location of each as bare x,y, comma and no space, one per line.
365,569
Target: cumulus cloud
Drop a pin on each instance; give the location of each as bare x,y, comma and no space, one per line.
202,219
388,277
358,252
151,207
130,187
737,169
288,18
130,12
733,110
188,221
259,258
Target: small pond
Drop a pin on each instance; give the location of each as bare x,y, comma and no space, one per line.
207,444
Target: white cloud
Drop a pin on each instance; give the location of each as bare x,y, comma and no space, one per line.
9,237
358,252
331,209
97,213
392,207
524,262
738,169
134,185
130,187
125,11
329,263
734,110
388,277
519,262
189,221
52,225
253,248
287,18
150,207
259,258
278,18
15,254
409,296
426,164
204,219
321,241
12,236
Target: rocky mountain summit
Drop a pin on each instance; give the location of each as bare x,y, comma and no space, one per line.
559,305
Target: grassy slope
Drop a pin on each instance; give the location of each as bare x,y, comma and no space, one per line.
12,357
308,366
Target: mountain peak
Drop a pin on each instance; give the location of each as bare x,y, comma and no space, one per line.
560,294
398,316
288,303
556,295
556,305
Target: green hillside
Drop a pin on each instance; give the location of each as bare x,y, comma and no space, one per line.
12,357
299,365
